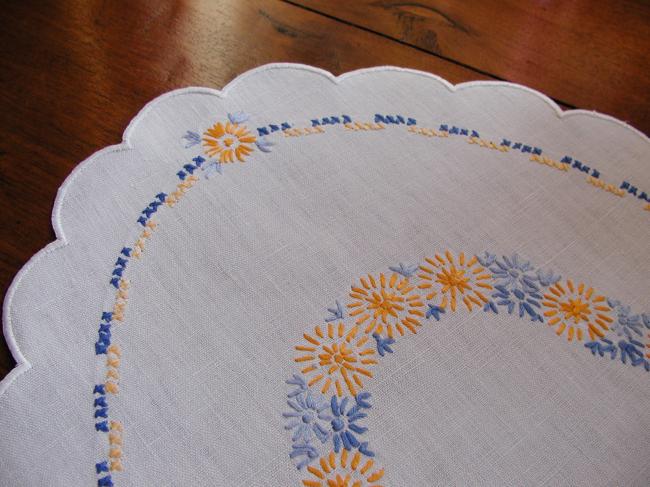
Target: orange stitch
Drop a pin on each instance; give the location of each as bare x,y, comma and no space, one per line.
111,387
385,304
116,466
337,359
112,374
116,426
114,439
297,132
549,162
333,470
115,452
647,207
292,132
599,183
573,310
152,224
113,362
228,141
610,188
456,280
115,350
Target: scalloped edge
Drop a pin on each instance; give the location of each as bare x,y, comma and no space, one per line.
22,364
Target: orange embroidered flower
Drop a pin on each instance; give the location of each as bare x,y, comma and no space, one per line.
452,280
344,470
228,141
386,303
577,310
336,358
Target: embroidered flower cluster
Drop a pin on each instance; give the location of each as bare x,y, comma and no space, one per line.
327,401
224,142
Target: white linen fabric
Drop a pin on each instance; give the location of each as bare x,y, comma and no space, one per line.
251,258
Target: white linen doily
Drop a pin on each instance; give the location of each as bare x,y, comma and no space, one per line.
367,280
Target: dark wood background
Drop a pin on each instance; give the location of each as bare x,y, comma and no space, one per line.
74,72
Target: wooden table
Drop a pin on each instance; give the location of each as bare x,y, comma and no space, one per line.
74,72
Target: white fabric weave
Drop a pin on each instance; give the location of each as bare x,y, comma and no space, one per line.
252,257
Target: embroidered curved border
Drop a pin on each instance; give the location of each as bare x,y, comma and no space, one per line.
301,398
325,421
23,364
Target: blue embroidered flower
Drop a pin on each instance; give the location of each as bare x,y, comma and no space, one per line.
191,139
404,270
238,117
518,285
626,323
211,168
336,313
434,311
524,300
264,144
513,273
547,279
344,423
304,452
631,350
383,344
298,381
601,347
309,417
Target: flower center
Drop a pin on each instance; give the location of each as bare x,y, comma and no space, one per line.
576,309
336,357
337,424
453,278
385,303
228,142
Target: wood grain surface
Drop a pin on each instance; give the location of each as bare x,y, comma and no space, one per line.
592,54
74,72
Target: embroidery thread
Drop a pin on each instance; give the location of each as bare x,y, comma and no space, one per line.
339,357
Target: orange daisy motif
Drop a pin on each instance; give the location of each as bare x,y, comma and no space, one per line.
390,303
344,470
455,280
577,310
228,141
336,358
